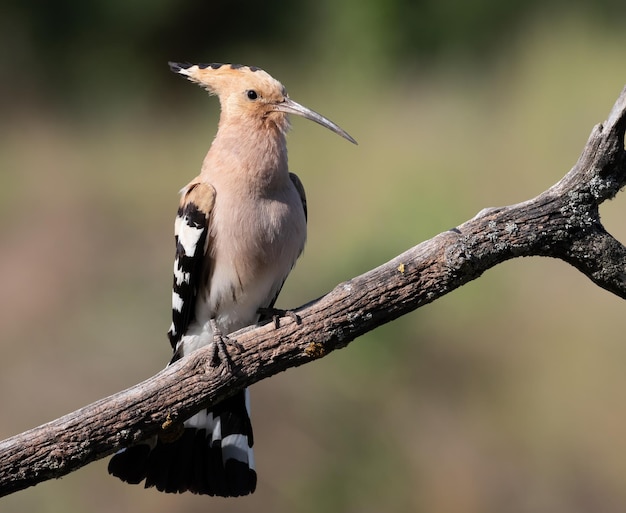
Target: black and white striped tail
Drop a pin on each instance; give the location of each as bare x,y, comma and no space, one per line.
213,456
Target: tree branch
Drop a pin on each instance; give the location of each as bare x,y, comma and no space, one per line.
562,222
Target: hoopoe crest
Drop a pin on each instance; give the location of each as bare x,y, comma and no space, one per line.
250,95
241,226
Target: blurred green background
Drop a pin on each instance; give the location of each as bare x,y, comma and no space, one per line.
505,396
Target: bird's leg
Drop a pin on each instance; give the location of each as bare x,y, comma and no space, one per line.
277,313
219,353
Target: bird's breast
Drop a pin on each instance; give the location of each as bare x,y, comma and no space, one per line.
255,242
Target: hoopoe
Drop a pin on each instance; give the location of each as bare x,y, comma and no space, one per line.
240,228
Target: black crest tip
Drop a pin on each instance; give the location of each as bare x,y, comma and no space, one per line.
212,65
177,67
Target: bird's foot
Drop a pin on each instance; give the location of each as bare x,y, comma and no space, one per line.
219,353
276,313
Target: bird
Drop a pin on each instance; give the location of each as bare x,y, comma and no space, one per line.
240,227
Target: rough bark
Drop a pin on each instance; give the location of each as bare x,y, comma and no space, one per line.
562,222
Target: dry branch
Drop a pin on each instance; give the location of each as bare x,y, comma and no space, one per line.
562,222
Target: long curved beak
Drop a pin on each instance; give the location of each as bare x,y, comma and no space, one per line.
290,107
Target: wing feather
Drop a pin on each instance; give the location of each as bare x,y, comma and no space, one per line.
300,188
191,265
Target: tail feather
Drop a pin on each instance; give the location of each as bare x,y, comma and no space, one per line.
212,457
131,463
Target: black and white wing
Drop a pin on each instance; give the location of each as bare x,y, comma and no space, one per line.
191,264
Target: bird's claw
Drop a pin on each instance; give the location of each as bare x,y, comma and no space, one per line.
221,342
277,313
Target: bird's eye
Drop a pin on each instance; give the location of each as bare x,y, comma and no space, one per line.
252,95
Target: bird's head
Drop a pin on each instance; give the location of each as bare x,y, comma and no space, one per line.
247,92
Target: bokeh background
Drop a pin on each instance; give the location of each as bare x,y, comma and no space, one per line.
505,396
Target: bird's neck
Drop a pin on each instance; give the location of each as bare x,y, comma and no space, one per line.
253,149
